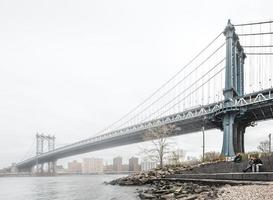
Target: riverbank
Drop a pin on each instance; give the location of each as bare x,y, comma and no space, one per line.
158,187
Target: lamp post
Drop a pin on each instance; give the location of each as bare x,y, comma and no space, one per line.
203,131
269,137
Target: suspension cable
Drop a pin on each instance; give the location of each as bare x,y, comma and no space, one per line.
188,88
201,78
162,86
194,90
28,151
168,91
254,23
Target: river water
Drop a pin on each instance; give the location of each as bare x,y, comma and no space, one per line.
64,188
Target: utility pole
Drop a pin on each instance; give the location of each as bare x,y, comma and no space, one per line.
203,130
269,136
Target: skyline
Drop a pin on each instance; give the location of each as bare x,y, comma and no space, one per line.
54,75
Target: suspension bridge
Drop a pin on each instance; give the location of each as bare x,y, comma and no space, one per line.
226,86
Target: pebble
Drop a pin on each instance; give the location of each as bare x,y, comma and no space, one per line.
247,192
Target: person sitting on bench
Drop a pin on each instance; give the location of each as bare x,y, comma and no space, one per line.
238,158
254,163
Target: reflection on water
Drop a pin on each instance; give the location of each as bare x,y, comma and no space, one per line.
64,188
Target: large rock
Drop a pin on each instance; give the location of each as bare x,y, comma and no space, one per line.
175,190
163,189
148,177
147,196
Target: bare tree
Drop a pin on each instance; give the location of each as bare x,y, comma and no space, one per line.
211,156
263,146
160,144
177,156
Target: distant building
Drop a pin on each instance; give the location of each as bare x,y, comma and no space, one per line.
133,164
125,168
92,165
146,165
74,167
8,170
60,169
117,164
108,168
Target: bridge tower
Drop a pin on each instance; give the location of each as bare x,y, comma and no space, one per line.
44,142
233,136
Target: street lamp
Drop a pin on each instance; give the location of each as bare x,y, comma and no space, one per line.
269,137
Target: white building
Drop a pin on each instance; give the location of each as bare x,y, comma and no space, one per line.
146,165
92,165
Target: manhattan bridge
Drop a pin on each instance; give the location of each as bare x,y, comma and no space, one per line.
226,86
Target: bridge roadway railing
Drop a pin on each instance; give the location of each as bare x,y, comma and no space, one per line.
185,115
196,112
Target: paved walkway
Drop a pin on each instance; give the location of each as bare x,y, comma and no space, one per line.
250,176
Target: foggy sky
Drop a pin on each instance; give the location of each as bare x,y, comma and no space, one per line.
70,68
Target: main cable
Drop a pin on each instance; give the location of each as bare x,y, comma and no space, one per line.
28,151
162,86
168,91
187,89
194,90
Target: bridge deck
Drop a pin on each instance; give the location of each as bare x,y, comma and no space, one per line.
256,106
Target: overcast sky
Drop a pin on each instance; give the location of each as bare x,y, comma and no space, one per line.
70,68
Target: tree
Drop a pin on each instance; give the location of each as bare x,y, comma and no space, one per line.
160,144
211,156
263,146
176,156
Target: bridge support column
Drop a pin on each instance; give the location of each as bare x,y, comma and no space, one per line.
39,168
33,170
233,137
55,167
51,170
233,140
238,138
228,127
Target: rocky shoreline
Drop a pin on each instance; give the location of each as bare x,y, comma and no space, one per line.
172,190
159,188
143,178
